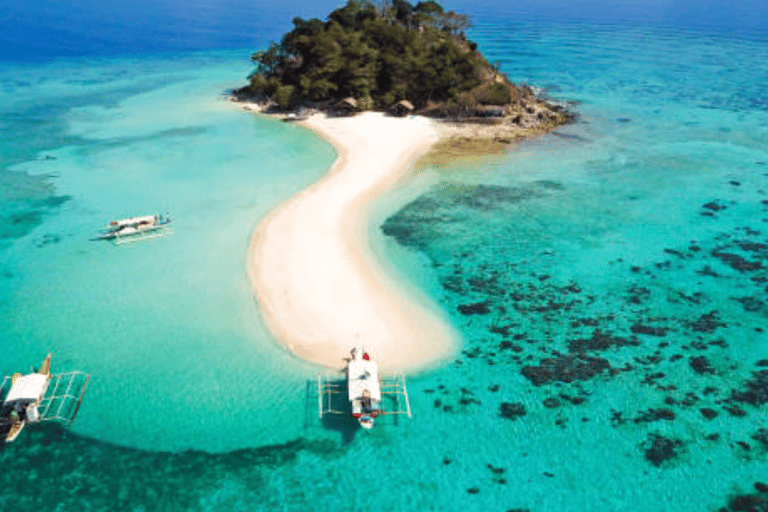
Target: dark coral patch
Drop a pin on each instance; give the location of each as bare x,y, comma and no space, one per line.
735,410
748,503
652,415
565,369
753,247
751,304
700,364
649,330
737,262
714,206
600,341
512,410
707,323
478,308
756,390
660,449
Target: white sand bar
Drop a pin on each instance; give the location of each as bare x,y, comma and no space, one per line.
312,268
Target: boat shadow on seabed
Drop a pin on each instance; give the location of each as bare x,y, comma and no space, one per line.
343,423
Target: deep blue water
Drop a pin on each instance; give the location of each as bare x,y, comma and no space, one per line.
49,28
609,281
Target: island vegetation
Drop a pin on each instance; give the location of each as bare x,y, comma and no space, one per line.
393,56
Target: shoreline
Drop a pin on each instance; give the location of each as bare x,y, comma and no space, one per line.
313,270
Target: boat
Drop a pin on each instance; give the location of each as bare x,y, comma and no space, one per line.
301,115
39,396
133,229
365,386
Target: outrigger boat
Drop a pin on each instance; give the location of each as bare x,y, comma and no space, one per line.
365,388
39,396
134,229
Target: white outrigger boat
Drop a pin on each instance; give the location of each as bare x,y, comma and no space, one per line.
365,387
133,229
39,396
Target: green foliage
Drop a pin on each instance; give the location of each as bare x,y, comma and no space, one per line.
259,84
268,61
365,103
284,96
384,53
429,8
497,94
466,101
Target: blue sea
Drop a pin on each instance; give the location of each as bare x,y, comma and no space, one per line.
609,281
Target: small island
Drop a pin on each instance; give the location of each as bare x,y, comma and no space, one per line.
401,59
385,84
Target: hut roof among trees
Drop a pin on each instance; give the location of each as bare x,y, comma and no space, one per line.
402,108
347,103
405,104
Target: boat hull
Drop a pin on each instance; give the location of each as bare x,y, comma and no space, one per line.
16,429
135,228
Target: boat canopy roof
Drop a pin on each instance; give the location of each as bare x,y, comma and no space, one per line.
144,219
363,375
28,387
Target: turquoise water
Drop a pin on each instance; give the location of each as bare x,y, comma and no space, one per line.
609,283
134,315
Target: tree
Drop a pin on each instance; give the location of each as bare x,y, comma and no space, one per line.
429,7
354,14
455,23
403,12
378,54
268,61
284,96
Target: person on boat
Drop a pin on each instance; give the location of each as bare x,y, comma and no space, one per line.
21,411
365,401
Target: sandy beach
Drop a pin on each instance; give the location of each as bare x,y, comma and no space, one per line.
311,265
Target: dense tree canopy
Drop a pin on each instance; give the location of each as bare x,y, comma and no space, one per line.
378,53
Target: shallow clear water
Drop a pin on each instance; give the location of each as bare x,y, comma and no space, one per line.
164,323
625,254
